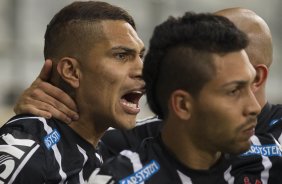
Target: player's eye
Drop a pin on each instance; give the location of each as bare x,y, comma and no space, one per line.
121,56
234,92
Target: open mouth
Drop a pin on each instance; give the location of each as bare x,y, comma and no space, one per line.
130,101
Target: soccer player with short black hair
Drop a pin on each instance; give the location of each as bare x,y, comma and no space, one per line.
199,81
97,59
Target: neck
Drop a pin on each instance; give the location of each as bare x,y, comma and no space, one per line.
88,130
185,150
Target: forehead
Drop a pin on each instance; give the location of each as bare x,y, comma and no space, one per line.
233,67
117,33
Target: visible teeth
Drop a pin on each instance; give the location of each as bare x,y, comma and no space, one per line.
129,104
138,92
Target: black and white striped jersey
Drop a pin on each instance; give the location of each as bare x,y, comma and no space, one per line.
114,140
153,163
261,164
38,150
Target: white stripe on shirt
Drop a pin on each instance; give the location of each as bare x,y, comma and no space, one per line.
184,179
228,177
265,162
57,154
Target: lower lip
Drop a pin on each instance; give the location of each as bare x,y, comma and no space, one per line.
250,132
128,109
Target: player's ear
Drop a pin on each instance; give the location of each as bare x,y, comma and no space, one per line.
69,70
261,76
181,104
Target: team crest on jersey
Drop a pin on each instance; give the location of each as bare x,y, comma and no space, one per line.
52,139
143,174
15,151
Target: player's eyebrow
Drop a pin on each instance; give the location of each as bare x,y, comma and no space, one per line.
236,82
127,49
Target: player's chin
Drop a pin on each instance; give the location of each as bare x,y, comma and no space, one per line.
241,147
127,122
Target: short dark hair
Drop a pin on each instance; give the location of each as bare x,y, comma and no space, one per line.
71,31
74,30
181,52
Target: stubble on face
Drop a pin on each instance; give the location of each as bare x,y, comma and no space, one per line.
221,123
110,74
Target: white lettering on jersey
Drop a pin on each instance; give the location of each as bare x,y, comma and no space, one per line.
12,151
12,142
12,159
52,139
9,139
9,165
143,174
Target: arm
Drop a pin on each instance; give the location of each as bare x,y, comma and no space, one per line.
46,100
